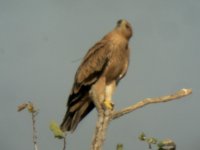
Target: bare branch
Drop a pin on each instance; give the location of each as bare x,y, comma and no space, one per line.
31,109
64,143
34,114
100,131
106,116
177,95
101,124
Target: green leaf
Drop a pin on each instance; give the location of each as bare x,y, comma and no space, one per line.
58,133
119,146
142,136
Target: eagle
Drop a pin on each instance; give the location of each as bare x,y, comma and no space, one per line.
103,66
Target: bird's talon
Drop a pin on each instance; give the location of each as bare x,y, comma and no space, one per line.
108,104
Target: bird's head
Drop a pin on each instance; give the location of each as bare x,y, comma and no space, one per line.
124,27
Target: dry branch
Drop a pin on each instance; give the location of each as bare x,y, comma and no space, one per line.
105,116
31,109
177,95
34,130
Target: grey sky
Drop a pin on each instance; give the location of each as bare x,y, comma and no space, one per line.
42,43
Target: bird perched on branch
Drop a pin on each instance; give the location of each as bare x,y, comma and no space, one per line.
104,65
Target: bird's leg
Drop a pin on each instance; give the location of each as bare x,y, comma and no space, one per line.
97,93
108,96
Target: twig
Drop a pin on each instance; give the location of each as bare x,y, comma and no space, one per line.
177,95
31,109
33,114
64,143
166,144
105,116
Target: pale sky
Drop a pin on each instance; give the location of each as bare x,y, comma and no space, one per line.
42,43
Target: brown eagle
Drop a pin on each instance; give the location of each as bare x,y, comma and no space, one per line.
104,65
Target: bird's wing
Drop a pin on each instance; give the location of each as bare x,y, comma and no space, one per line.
92,66
90,69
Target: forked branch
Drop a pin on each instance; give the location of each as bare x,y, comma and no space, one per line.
105,116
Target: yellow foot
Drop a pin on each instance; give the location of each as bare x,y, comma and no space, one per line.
108,104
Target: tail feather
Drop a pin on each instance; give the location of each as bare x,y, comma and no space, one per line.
75,114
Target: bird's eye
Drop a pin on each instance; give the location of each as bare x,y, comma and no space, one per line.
119,22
